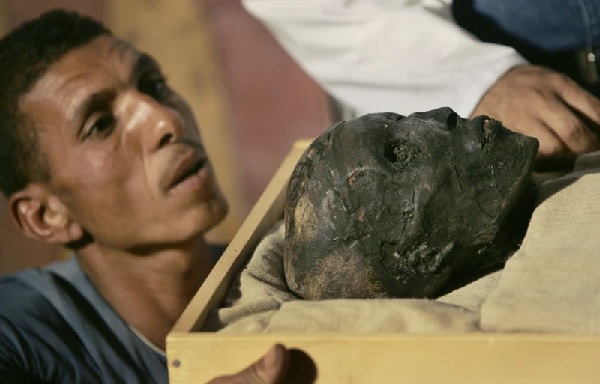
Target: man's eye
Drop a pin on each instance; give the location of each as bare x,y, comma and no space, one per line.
101,127
155,87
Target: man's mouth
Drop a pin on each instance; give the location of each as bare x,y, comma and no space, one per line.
186,169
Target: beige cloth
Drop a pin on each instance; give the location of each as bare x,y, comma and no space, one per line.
258,290
551,284
259,301
360,316
473,295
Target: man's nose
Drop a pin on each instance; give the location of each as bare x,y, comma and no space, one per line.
154,123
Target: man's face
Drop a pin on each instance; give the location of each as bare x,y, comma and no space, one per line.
420,196
124,150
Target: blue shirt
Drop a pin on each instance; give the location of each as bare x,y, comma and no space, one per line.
546,25
56,328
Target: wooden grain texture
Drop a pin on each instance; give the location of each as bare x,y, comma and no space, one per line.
394,358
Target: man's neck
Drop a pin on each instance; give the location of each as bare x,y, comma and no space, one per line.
149,292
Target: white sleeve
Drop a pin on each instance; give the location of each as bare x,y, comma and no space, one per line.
386,55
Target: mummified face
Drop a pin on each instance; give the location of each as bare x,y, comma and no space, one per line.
386,205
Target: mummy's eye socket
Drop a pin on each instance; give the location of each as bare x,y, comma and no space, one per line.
400,153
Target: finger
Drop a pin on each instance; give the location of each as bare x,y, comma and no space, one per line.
570,128
580,100
270,369
554,155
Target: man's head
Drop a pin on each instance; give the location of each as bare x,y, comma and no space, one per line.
120,156
25,55
387,205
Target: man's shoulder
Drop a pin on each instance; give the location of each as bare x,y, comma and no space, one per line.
55,326
33,331
58,293
24,303
37,297
31,305
23,291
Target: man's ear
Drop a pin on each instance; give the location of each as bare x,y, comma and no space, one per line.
42,216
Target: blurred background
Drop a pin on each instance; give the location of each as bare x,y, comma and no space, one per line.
251,100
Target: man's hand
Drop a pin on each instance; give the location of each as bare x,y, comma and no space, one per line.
549,106
270,369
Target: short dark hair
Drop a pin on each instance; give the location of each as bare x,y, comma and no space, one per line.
26,53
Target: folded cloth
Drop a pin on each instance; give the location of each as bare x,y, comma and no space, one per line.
552,283
473,295
259,289
259,300
376,315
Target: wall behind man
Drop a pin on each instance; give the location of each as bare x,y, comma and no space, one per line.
251,100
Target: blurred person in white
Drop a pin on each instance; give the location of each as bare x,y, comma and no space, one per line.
411,55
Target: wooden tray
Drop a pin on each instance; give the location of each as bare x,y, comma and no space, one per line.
197,357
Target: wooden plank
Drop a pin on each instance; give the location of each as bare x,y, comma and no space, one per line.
268,209
390,358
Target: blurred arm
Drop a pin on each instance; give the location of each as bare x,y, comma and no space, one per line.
375,55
